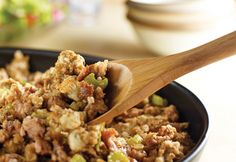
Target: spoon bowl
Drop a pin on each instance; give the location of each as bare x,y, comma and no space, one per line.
135,79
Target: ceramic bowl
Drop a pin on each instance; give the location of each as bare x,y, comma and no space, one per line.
168,27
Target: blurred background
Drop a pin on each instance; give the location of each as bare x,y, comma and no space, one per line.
97,27
115,28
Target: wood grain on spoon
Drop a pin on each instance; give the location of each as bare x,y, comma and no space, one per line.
133,80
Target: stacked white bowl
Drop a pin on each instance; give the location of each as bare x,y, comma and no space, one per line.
171,26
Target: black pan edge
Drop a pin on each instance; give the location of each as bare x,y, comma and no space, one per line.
203,139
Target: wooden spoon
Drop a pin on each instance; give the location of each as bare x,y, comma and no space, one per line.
135,79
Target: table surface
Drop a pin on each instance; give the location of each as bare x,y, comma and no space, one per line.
214,85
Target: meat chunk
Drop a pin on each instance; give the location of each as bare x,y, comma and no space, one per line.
71,120
168,131
3,135
69,63
171,113
21,109
30,153
14,145
82,139
18,69
137,154
152,110
70,86
12,127
108,136
133,113
99,69
170,151
36,77
18,100
76,90
11,158
9,91
151,139
3,74
33,127
98,93
86,90
95,108
52,100
58,152
42,147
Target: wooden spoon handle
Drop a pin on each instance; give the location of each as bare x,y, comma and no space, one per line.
150,75
160,71
208,53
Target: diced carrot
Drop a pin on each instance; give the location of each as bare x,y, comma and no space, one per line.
31,20
108,133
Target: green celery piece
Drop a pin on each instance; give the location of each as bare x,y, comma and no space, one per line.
3,91
97,83
157,100
136,142
137,139
77,158
117,156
